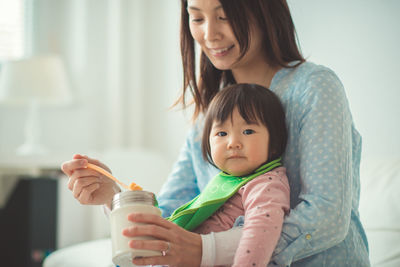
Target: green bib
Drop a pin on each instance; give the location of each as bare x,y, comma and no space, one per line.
215,194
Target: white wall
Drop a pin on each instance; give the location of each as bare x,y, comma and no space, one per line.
128,50
124,63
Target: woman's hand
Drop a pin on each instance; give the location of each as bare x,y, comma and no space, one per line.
181,248
87,185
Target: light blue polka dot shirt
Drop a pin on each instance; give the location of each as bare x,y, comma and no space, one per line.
322,160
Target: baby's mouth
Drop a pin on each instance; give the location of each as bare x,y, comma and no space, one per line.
235,157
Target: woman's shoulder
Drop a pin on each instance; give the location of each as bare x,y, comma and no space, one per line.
309,70
308,77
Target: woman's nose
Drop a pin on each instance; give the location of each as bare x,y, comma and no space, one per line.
211,31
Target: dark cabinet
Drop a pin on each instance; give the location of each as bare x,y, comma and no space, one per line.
28,222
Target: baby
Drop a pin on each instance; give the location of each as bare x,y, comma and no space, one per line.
244,136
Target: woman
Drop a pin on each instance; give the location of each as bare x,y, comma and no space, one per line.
253,41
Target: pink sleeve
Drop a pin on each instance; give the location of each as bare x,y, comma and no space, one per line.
265,202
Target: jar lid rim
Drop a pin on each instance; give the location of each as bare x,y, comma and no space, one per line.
129,197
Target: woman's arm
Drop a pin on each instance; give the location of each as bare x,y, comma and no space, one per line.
181,185
324,143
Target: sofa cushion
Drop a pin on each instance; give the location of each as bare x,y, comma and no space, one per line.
380,209
95,253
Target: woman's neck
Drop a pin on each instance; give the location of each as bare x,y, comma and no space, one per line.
261,74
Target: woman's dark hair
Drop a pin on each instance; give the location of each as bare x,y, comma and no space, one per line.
256,104
279,41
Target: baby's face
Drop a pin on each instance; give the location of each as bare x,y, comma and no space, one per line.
238,147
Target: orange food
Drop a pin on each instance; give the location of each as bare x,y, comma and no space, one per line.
134,187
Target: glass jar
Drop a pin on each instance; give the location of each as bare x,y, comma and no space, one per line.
125,203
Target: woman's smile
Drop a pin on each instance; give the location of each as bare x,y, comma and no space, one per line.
220,52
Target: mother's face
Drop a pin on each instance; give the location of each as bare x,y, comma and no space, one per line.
211,29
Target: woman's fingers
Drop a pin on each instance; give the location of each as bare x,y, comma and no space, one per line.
180,253
89,186
82,183
184,246
70,166
80,156
164,247
159,245
86,195
79,174
78,162
148,230
156,227
98,163
151,225
151,218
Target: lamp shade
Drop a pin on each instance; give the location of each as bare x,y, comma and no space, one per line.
39,78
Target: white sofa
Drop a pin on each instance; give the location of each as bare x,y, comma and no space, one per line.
96,253
379,211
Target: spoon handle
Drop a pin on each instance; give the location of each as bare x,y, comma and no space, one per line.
106,173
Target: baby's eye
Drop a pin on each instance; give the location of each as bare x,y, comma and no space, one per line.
248,131
221,133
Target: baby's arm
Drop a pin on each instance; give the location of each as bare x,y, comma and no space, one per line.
265,201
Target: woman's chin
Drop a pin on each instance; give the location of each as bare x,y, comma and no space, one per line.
224,66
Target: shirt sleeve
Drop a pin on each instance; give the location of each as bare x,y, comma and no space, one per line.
322,217
208,250
181,185
219,248
265,199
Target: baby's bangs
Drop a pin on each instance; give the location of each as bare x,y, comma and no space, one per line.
249,114
222,112
246,105
250,106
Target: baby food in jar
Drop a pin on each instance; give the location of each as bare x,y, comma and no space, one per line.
123,204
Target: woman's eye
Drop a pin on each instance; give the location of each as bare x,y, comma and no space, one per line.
248,131
223,18
196,19
221,134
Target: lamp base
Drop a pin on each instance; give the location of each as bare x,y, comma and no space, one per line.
32,146
29,149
